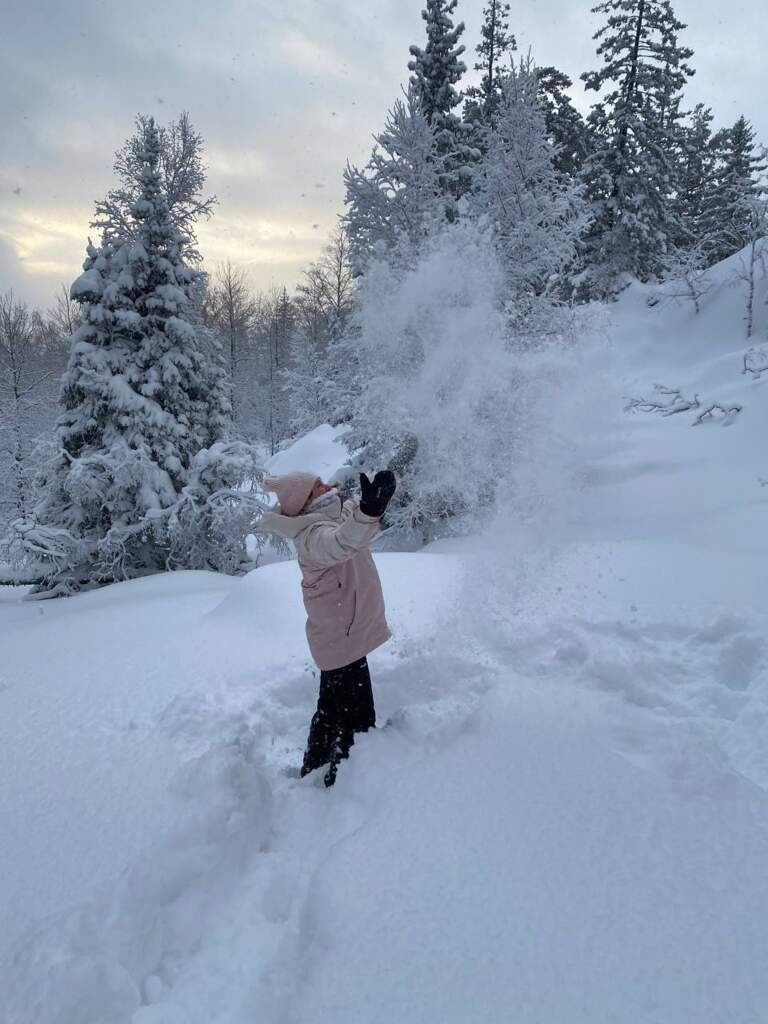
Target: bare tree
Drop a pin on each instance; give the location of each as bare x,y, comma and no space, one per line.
276,327
22,374
323,304
685,273
328,286
752,263
66,315
233,312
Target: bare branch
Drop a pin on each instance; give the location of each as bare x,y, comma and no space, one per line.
724,414
756,362
667,401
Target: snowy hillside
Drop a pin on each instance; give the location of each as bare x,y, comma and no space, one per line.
564,816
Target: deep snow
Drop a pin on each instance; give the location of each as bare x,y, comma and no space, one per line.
564,820
320,450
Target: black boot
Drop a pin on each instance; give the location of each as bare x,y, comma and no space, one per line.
344,707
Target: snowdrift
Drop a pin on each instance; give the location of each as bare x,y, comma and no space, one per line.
321,451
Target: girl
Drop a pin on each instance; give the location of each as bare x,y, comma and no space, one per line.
343,598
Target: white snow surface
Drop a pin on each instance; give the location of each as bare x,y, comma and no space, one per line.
563,818
320,451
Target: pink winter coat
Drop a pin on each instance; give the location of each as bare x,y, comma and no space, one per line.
340,584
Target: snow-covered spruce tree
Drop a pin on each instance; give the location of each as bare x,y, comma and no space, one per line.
496,42
399,190
566,128
536,212
437,70
142,396
729,207
697,178
630,175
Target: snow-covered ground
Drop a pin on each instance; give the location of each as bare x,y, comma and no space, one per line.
564,819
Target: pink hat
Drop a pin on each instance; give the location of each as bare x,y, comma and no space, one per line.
292,490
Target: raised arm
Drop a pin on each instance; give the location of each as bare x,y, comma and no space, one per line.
330,543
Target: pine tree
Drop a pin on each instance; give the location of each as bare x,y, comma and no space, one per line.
437,69
630,176
566,128
141,397
685,262
537,213
729,210
697,178
496,41
399,191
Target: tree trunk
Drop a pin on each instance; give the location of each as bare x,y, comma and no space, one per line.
631,85
751,288
491,55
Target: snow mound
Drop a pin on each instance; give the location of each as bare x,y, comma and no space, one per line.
320,451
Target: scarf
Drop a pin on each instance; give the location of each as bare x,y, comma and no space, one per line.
322,502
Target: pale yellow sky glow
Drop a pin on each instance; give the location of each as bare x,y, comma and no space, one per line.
51,249
282,94
45,240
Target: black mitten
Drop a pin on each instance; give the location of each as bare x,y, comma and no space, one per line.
375,495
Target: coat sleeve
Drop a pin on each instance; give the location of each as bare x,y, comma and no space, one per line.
330,543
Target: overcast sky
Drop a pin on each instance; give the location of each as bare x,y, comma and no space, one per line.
283,91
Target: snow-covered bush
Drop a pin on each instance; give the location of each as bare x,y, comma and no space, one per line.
205,526
217,509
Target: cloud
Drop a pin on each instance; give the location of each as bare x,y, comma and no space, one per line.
270,95
282,94
36,289
8,259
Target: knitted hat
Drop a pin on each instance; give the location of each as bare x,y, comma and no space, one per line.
292,490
